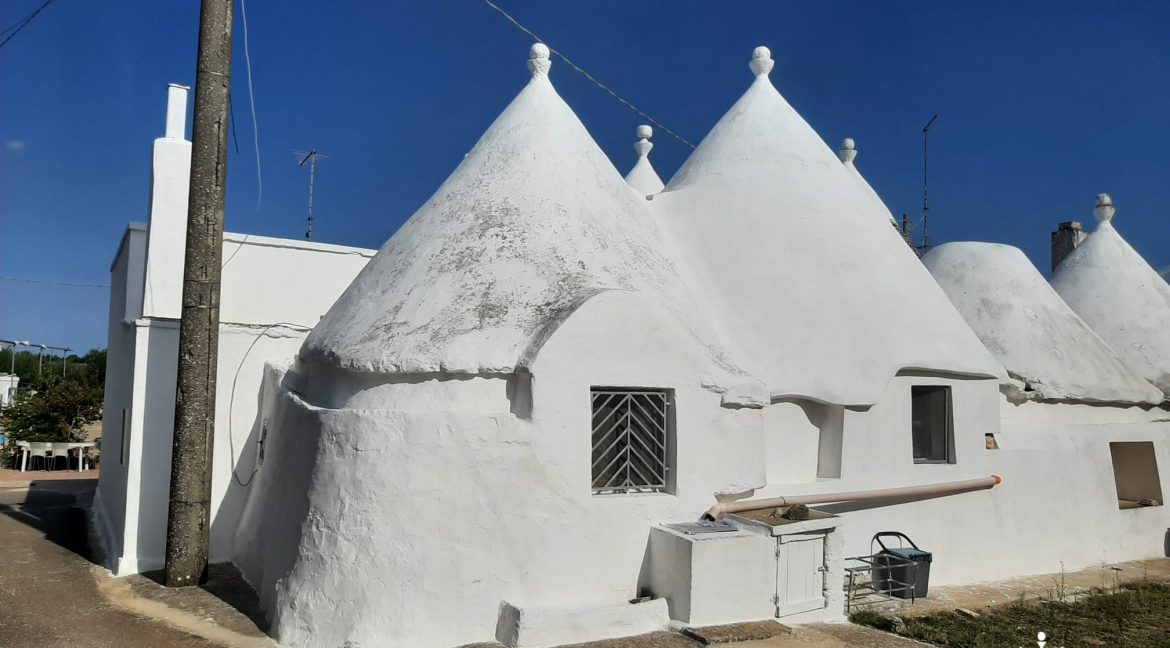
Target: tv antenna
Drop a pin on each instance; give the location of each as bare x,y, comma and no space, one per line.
926,184
310,157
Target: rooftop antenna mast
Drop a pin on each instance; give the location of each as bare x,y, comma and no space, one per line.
310,157
926,184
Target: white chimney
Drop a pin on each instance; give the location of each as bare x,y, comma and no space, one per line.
167,226
176,111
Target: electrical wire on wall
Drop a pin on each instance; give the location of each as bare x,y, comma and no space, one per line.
232,402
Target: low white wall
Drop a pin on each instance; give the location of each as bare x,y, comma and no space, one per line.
713,578
544,627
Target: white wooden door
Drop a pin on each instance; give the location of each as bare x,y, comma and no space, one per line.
800,573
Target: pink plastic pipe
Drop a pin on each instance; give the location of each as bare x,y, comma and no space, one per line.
947,488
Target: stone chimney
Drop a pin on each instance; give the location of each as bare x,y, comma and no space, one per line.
1065,239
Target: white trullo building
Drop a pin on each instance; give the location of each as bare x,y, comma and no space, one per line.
490,432
486,433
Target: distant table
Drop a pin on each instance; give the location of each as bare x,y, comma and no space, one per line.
26,452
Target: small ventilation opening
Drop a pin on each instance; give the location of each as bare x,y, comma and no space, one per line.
1135,473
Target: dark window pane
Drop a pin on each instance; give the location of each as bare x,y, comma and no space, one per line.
930,421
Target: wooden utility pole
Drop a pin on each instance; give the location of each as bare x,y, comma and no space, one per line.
189,511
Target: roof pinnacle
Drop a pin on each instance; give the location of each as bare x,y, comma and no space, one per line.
1104,210
643,145
848,150
538,61
762,62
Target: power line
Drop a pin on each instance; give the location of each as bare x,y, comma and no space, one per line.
255,128
21,24
587,75
49,282
252,99
24,20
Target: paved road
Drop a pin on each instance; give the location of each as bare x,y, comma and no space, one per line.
48,597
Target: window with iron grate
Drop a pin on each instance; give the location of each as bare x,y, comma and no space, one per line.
633,441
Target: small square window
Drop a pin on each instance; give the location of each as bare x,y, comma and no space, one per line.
930,424
632,444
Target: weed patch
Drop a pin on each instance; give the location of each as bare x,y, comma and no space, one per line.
1134,615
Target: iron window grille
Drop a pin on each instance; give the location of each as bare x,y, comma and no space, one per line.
631,440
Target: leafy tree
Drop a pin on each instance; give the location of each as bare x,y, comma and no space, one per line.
36,372
55,412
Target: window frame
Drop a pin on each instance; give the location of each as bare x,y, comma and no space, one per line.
947,433
1135,468
665,453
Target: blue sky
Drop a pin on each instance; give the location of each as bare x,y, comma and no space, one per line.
1042,105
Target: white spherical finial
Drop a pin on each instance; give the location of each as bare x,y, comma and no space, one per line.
538,61
762,61
1104,210
643,145
848,150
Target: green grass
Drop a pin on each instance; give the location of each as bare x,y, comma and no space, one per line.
1135,615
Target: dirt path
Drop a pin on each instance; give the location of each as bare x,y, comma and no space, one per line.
48,597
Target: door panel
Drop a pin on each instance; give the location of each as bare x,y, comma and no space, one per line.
800,573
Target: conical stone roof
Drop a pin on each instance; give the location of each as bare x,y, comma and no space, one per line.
825,298
533,222
1117,293
1050,352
